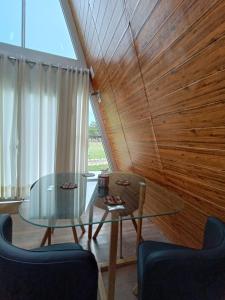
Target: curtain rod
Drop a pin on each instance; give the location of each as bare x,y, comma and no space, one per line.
50,65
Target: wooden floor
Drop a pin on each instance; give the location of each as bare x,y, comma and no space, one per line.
28,236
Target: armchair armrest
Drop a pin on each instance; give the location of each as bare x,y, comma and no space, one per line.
181,274
68,274
6,228
63,271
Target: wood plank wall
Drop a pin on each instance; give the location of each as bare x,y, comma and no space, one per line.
160,68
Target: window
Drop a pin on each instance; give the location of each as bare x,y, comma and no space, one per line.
37,25
97,160
11,22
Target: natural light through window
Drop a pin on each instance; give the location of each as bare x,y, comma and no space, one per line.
11,22
45,28
97,160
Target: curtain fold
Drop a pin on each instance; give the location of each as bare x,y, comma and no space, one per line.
43,123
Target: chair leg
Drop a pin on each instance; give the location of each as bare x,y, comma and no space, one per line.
100,225
121,238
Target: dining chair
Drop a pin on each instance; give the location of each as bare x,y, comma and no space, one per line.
135,193
173,272
61,271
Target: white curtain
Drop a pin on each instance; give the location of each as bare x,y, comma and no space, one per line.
43,123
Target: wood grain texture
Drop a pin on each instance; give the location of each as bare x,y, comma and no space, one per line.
160,67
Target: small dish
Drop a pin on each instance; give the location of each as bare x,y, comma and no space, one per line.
113,200
88,174
123,182
68,186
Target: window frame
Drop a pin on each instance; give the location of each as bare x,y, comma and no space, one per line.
68,18
71,23
64,62
38,56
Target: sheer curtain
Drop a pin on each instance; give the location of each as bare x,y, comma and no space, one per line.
43,123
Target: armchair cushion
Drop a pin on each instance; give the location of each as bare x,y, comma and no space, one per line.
171,272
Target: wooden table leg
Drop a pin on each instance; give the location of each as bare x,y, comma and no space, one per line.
101,287
100,225
82,228
121,237
136,226
140,210
90,223
75,234
49,235
89,231
46,236
112,257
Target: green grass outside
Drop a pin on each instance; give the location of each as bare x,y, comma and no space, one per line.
95,150
97,167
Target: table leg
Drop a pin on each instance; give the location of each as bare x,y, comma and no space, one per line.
101,287
100,225
46,236
82,226
90,223
136,227
112,257
49,235
121,237
140,211
75,234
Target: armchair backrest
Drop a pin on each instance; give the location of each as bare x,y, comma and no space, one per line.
182,273
45,274
214,235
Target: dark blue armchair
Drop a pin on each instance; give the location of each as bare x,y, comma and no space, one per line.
171,272
56,272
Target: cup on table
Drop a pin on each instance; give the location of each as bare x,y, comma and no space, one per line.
103,180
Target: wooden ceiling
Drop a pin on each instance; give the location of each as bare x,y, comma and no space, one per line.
160,68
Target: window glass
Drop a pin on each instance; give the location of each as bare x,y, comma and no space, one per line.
10,22
97,160
46,29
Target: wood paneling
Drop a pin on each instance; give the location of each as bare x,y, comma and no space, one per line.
160,68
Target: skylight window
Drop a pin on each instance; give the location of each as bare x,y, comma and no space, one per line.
36,24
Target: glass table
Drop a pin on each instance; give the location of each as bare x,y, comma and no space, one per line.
71,200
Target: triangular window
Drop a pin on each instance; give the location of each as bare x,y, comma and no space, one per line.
36,24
